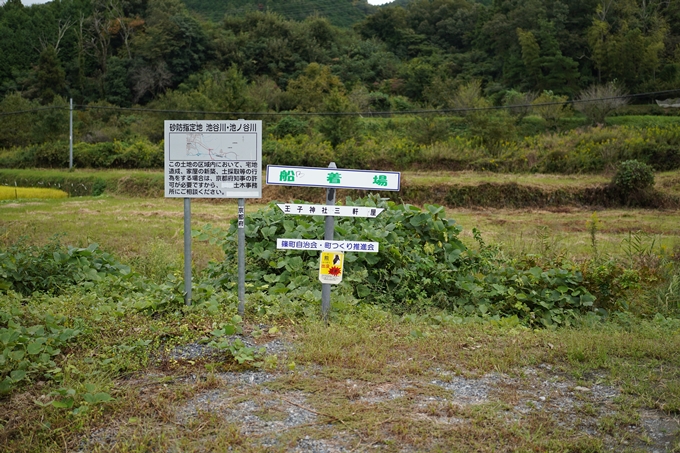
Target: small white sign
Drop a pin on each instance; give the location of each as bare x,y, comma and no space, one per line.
321,209
321,245
333,177
241,217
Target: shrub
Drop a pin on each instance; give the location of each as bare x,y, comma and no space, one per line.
598,101
551,107
300,150
421,263
289,125
51,268
633,176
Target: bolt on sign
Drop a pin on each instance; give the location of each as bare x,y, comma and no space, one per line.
330,267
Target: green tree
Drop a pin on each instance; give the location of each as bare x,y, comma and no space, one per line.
116,84
519,103
307,92
16,128
340,125
598,101
551,107
50,80
531,54
173,43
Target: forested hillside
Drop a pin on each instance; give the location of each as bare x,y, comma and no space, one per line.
341,13
435,54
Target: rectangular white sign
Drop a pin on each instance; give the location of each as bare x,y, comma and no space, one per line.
320,209
213,159
341,246
333,177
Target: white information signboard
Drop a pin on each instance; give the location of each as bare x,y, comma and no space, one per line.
322,209
213,159
340,246
333,177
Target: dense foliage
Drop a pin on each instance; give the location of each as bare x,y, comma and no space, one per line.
27,269
160,53
407,143
422,263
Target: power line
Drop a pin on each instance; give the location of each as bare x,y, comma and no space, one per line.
37,109
363,113
385,113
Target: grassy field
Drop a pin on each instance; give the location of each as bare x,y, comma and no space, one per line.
131,227
369,381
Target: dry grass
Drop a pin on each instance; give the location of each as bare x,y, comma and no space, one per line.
16,193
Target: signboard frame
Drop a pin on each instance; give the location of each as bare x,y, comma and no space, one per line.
333,178
195,170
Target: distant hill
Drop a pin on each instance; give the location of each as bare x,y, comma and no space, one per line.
404,3
343,13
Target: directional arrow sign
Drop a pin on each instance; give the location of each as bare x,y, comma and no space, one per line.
321,209
340,246
333,178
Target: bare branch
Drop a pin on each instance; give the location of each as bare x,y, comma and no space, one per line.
61,31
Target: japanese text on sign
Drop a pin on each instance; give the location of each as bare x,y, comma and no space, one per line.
213,159
331,177
326,210
330,267
341,246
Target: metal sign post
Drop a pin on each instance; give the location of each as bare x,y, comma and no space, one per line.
187,251
70,134
241,256
328,235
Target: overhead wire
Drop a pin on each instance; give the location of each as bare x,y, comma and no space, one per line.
37,109
362,113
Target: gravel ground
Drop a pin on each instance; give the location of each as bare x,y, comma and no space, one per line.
278,419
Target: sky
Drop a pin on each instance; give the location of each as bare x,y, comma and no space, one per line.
33,2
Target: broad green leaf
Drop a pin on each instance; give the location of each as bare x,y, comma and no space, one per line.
35,347
363,291
229,329
102,397
17,375
65,403
5,385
